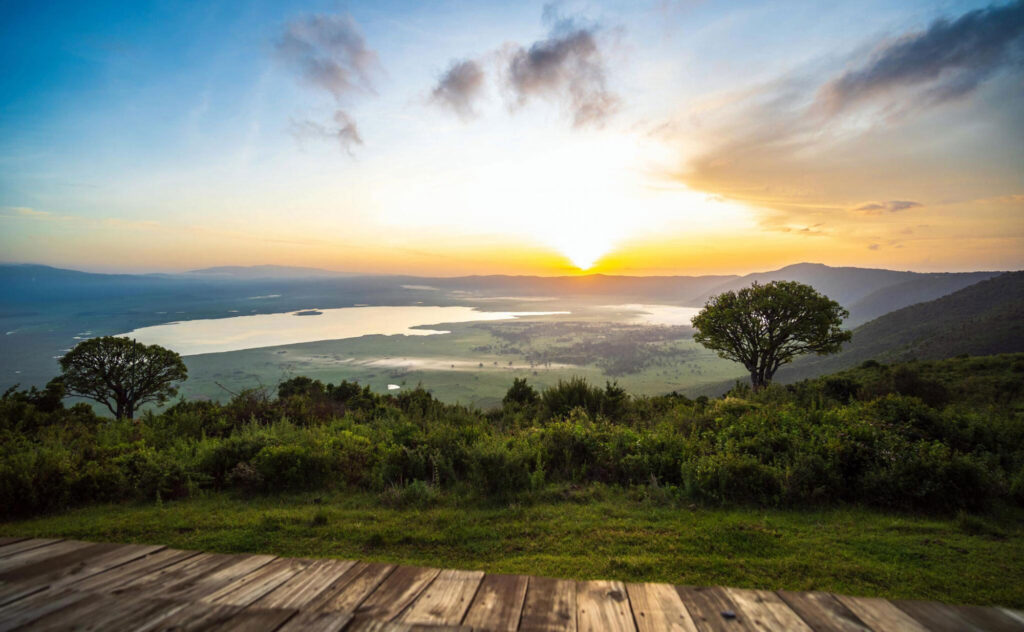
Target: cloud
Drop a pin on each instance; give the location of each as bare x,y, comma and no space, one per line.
892,206
459,87
344,131
25,211
567,67
952,58
331,55
778,149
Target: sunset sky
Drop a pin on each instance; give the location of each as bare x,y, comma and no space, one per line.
447,138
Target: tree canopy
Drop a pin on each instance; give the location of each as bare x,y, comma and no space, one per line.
765,326
122,374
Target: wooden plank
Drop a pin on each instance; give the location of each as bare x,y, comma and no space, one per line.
658,607
317,622
603,605
305,585
74,559
374,625
710,609
352,588
550,605
395,593
10,540
1016,615
198,576
161,579
940,617
191,616
255,620
25,611
111,579
25,545
102,613
13,592
765,610
78,565
880,614
498,603
248,588
35,555
446,600
823,612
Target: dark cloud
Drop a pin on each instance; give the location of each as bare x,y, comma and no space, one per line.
892,206
568,67
330,54
459,87
952,58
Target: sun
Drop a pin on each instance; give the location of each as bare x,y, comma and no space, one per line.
583,248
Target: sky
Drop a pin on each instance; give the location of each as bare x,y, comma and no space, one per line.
450,138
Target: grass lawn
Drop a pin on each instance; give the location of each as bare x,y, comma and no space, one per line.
596,533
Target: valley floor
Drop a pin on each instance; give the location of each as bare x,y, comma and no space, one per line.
596,532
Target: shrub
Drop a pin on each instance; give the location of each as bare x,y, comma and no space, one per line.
291,467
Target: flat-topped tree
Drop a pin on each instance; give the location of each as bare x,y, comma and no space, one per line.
765,326
122,374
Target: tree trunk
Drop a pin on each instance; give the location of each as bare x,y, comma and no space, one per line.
756,381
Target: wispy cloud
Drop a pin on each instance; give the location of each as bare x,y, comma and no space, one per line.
331,55
854,142
892,206
949,58
459,87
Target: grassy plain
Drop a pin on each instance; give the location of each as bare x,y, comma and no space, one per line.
596,532
455,367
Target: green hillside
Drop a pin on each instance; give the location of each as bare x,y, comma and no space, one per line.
983,319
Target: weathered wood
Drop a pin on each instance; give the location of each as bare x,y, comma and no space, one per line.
317,622
764,610
305,585
446,600
250,587
111,579
4,541
709,608
880,614
352,588
823,612
550,605
192,616
103,613
375,625
395,593
498,603
199,576
14,548
658,607
940,617
255,620
35,555
162,580
78,565
24,611
603,605
13,592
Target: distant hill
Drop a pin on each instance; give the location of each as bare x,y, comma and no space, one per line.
866,292
267,272
983,319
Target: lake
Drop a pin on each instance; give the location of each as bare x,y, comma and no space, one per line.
216,335
658,314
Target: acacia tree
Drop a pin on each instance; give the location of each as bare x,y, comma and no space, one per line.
122,374
765,326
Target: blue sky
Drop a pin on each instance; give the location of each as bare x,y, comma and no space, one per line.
169,136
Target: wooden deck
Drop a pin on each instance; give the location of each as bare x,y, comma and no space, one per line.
48,584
